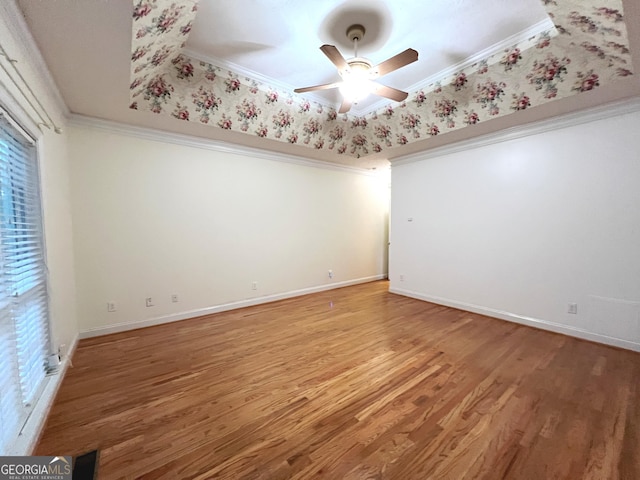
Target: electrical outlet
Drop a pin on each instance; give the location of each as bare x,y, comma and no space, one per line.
573,308
330,273
174,298
254,285
149,302
111,307
402,278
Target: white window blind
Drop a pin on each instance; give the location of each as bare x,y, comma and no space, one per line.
24,323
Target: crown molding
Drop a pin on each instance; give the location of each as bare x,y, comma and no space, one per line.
83,121
425,84
252,75
18,28
235,68
601,112
428,83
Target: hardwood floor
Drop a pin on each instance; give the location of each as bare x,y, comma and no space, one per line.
355,383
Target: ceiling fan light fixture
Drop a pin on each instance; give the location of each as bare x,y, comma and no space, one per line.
355,89
356,78
358,73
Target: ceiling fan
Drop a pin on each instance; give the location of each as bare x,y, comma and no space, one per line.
358,73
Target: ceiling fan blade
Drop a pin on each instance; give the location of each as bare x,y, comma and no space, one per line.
335,56
390,92
325,86
346,105
396,62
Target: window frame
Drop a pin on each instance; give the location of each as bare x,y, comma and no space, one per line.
24,129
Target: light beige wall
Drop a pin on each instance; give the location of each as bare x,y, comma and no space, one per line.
152,219
524,227
56,204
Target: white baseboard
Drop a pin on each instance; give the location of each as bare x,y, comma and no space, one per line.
30,434
174,317
531,322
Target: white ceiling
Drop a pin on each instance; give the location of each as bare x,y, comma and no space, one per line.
278,41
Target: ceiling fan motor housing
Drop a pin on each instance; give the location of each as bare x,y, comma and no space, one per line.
357,66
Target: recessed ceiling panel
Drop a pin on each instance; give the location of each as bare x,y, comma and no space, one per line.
279,41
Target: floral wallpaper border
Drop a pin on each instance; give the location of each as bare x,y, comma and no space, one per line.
587,49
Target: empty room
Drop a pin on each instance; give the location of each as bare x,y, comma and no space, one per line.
341,239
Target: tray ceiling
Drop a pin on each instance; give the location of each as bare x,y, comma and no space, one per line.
284,50
202,68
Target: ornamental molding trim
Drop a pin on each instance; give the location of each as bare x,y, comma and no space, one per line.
19,30
601,112
83,121
425,84
584,47
429,83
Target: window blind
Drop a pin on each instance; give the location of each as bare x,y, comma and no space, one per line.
24,322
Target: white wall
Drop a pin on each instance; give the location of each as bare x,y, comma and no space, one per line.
152,219
521,228
56,202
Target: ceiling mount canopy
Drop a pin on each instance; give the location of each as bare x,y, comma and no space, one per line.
355,32
358,73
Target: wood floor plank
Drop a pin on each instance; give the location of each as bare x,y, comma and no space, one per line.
353,383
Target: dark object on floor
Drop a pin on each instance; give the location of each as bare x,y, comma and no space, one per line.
85,466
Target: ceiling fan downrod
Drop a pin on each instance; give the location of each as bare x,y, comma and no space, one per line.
355,34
